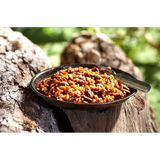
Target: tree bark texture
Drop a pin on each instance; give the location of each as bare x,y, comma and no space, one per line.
20,109
134,115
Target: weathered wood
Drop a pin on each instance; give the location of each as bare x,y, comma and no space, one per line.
135,115
20,109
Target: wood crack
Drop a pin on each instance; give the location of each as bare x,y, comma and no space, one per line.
124,119
25,107
32,112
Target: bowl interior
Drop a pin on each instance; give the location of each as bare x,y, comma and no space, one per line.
77,106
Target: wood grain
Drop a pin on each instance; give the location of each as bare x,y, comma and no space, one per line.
134,115
20,109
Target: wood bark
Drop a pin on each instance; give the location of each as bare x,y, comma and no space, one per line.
135,115
20,109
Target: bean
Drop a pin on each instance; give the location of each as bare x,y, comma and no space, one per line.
62,83
70,77
88,94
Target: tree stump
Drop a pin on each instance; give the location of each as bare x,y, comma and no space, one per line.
20,109
135,115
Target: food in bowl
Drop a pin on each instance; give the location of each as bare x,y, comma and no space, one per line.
83,85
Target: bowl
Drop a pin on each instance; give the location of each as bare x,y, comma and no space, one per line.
71,105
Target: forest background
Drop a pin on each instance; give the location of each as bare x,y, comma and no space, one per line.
141,44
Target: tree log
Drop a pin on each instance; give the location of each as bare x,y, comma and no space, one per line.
20,109
134,115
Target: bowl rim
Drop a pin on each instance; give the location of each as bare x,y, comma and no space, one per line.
85,104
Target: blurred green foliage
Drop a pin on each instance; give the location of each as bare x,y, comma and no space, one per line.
141,44
42,35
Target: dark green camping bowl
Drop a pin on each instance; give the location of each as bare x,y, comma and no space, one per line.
76,106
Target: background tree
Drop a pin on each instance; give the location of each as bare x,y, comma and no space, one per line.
22,111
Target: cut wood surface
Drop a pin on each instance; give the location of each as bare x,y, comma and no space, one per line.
23,111
134,115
